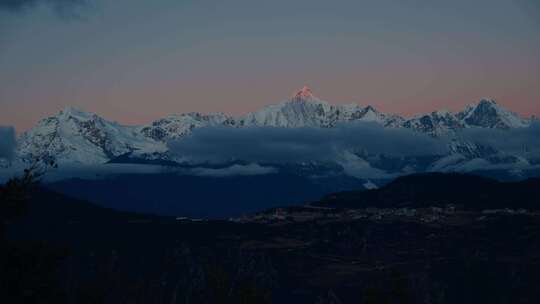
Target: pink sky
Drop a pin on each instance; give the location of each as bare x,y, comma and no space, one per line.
158,57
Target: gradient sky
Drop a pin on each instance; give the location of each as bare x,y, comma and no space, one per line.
136,60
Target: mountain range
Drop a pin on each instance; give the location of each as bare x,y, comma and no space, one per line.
77,137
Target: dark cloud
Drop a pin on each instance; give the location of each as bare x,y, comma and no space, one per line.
7,142
62,7
289,145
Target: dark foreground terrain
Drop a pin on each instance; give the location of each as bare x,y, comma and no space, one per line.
181,195
68,251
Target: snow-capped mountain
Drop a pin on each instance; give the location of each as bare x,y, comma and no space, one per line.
436,123
304,109
175,126
488,114
353,112
74,136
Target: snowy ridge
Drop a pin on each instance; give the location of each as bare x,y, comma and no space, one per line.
301,110
435,123
175,126
488,114
304,109
75,136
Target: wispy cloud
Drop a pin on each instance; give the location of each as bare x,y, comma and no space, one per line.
64,8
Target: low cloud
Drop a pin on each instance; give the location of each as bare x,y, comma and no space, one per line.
103,171
7,142
292,145
524,142
234,170
100,171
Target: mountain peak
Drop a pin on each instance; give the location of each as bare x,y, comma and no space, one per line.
303,94
74,112
487,113
370,108
487,101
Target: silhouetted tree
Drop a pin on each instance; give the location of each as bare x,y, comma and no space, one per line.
29,271
14,196
15,193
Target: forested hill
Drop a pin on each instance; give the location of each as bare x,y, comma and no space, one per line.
438,189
